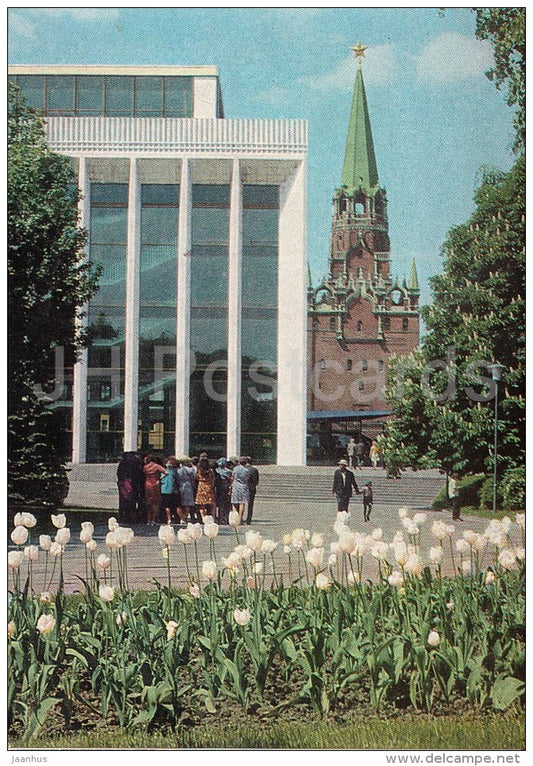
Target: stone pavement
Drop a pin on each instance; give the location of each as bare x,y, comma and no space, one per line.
288,498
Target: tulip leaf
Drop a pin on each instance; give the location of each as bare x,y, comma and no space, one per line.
506,689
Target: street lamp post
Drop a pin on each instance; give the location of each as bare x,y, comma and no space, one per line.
496,373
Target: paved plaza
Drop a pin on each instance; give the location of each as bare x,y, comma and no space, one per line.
287,498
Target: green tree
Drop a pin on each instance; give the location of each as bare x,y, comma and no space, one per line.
505,28
442,395
444,409
48,283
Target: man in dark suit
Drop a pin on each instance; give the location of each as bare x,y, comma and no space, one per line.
253,481
343,482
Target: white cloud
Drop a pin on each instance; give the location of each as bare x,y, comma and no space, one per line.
452,57
81,14
379,67
20,26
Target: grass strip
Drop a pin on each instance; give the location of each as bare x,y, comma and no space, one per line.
412,732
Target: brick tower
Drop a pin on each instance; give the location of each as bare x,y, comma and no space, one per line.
359,316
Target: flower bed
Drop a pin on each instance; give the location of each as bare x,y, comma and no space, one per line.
248,638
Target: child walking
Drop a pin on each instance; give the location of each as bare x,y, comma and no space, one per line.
368,499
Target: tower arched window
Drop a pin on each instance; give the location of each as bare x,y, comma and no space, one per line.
380,365
359,208
361,386
332,323
322,364
364,365
359,326
405,324
386,323
348,364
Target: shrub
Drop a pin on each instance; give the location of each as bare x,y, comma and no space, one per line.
513,488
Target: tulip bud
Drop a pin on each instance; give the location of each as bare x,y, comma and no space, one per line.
59,521
46,624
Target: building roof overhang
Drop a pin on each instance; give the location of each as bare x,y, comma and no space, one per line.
339,415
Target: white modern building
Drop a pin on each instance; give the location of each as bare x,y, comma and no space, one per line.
199,324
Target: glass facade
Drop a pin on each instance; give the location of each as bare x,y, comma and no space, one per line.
259,322
209,319
157,318
108,95
106,320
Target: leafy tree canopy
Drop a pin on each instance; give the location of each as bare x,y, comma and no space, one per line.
505,28
48,283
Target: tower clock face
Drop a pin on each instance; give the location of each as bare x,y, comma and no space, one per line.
396,297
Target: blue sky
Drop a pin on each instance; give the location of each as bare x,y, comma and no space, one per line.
436,119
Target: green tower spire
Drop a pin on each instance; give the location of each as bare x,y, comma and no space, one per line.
413,278
360,169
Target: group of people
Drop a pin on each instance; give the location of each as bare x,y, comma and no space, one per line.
355,451
179,490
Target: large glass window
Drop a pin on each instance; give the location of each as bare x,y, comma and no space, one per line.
259,321
209,318
60,92
108,95
90,95
33,88
106,318
157,318
178,96
119,96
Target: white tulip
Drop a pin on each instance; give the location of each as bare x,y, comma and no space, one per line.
332,560
171,626
86,536
401,554
11,629
46,624
91,546
353,578
124,535
314,557
184,536
45,597
15,559
112,541
62,535
166,535
254,540
287,549
379,550
377,534
490,577
56,549
414,565
403,512
112,524
507,558
436,554
317,540
103,561
462,546
395,579
439,530
31,552
211,529
45,541
194,590
347,542
24,519
195,531
106,592
466,567
59,521
420,518
322,581
241,616
234,519
209,570
258,567
269,546
433,638
19,535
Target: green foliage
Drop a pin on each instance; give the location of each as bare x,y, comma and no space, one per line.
505,28
48,283
513,488
444,411
321,649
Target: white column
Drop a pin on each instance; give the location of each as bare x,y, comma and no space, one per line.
292,320
183,319
233,443
79,387
133,257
